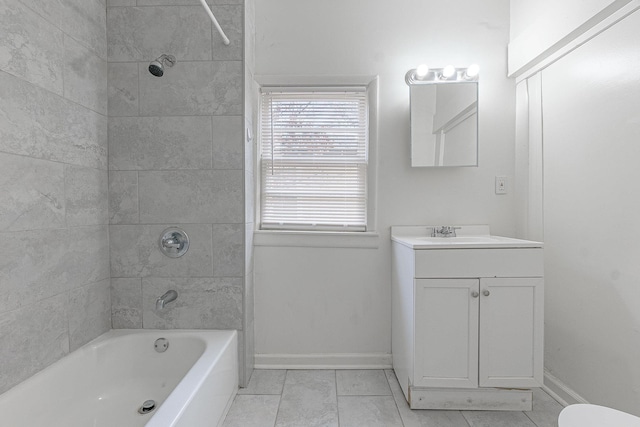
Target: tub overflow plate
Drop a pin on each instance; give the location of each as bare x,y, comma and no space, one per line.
161,345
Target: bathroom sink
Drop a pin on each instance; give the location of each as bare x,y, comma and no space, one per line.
468,237
461,239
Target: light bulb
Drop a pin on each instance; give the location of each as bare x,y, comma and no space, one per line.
422,71
448,71
473,70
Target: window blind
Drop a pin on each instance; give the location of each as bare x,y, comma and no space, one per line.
314,154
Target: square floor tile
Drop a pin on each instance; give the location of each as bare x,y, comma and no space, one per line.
308,399
497,419
422,417
362,382
368,411
252,411
545,409
265,381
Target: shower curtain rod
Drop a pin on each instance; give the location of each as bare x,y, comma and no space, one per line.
225,39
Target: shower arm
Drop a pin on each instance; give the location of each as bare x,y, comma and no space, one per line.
225,39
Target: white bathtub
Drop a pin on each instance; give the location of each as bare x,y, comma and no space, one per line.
105,382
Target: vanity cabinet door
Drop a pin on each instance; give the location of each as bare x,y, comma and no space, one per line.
446,333
511,332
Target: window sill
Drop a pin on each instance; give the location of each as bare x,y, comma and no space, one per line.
316,239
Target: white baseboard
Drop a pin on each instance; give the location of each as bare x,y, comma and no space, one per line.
552,385
324,361
560,391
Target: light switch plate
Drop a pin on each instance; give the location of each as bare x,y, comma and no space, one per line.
501,185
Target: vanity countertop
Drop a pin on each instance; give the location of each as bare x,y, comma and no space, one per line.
467,237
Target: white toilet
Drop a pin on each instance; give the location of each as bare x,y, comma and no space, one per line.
582,415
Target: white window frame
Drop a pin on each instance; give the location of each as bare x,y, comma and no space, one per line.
293,237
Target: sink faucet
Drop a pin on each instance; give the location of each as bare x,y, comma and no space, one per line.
165,299
444,231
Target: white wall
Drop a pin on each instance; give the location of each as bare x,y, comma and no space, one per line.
540,27
591,205
323,300
588,99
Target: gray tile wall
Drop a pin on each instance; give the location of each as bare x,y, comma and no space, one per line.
250,104
176,158
54,262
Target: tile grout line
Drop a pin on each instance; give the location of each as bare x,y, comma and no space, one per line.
138,88
275,422
138,196
530,419
465,418
47,19
59,95
335,376
393,397
60,162
142,307
278,411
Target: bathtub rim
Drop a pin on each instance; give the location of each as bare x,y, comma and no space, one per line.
180,397
196,374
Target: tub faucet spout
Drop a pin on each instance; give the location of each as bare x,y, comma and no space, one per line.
165,299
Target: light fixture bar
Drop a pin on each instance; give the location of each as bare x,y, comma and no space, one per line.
448,74
225,39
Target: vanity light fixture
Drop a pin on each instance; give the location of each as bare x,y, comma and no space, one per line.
472,72
422,71
449,74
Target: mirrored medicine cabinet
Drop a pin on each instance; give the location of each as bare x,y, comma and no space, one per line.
444,116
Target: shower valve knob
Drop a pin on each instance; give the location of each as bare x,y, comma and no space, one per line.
174,242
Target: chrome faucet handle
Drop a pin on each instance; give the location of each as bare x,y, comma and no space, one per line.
447,231
171,243
174,242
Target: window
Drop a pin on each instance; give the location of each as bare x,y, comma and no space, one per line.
314,158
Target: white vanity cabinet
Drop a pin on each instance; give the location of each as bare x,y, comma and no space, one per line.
467,323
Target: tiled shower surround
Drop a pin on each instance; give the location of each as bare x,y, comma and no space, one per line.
54,259
176,159
99,156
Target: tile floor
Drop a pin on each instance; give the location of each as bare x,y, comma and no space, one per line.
359,398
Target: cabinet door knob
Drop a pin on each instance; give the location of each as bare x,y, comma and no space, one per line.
474,294
486,292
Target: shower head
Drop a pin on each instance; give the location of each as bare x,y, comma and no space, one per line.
156,67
